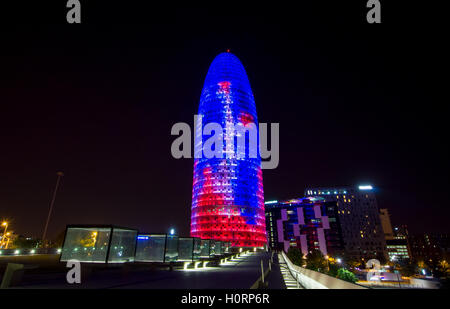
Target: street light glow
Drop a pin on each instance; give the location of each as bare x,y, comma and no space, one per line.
365,187
270,202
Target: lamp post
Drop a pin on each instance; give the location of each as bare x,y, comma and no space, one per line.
5,224
44,235
9,238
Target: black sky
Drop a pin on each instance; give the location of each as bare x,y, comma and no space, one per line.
356,104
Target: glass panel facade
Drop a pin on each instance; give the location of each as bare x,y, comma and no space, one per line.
109,244
226,246
218,248
212,247
171,249
204,248
86,244
197,248
123,244
185,248
150,248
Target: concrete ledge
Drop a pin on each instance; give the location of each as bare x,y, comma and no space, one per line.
311,279
14,273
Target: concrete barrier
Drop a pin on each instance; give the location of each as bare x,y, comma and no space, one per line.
311,279
13,274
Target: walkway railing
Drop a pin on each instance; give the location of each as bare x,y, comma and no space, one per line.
311,279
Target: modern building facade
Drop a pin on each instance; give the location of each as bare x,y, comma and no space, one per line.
358,213
386,224
397,245
399,248
227,193
305,223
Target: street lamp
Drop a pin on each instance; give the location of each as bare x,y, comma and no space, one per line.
9,238
172,232
5,224
328,262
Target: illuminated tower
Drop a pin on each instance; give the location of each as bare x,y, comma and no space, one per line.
227,193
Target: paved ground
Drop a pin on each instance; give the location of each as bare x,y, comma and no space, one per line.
238,274
275,277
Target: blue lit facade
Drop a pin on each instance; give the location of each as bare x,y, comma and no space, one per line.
227,194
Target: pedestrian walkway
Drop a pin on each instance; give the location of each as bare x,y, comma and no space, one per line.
275,278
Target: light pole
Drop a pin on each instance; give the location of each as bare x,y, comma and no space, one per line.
5,224
44,235
9,238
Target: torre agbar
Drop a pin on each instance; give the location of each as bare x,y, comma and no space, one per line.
227,193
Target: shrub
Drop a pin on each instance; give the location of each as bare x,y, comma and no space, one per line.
346,275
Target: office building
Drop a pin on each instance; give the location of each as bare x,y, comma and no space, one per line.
227,193
358,213
305,223
430,247
386,224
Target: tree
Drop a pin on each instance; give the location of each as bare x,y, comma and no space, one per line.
351,261
346,275
422,265
296,256
443,269
408,269
316,261
22,242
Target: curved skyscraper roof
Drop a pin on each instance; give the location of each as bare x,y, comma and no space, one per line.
227,194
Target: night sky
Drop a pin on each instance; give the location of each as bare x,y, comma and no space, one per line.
356,104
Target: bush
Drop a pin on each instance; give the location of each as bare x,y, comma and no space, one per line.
346,275
295,256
